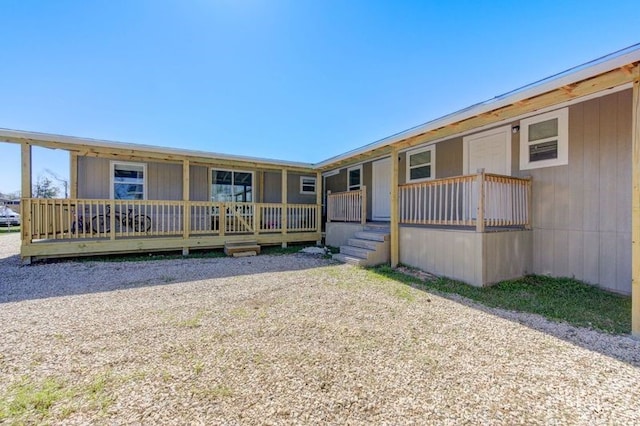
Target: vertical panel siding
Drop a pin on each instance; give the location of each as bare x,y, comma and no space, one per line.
585,230
164,181
367,180
273,187
199,183
337,183
449,158
93,177
293,187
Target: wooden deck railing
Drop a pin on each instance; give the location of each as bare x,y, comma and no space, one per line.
55,219
349,206
473,200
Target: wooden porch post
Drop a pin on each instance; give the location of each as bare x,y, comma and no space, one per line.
363,207
319,190
73,175
480,211
394,227
635,207
186,207
25,203
284,206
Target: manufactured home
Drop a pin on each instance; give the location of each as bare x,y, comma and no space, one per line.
543,180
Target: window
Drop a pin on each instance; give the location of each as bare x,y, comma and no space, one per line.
421,164
128,181
354,178
229,185
544,140
307,185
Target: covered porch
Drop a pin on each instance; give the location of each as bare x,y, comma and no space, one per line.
474,228
166,200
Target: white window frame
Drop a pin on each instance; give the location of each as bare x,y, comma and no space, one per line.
303,184
432,149
562,115
359,185
253,182
126,163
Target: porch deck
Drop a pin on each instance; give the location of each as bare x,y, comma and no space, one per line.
76,227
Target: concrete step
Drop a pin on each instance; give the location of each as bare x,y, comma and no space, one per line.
372,236
382,227
356,251
353,260
366,244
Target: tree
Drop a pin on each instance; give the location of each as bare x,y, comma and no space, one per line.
44,188
63,181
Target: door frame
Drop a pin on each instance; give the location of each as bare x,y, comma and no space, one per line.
374,192
466,140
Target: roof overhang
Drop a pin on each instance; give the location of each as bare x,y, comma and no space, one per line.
615,69
104,148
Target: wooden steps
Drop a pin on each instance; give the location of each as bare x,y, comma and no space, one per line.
241,248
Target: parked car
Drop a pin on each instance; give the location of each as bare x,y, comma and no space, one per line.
8,217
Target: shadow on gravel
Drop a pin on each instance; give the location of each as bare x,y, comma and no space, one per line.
70,278
623,348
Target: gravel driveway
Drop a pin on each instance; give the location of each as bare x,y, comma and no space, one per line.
287,340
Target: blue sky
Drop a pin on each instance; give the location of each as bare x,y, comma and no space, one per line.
297,80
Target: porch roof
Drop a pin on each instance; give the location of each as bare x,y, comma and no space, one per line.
522,100
89,146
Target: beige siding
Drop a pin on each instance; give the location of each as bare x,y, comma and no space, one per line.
367,180
199,186
582,211
337,183
293,187
450,253
272,187
449,158
475,258
93,177
506,255
164,181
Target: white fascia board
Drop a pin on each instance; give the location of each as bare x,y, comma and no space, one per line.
72,140
573,75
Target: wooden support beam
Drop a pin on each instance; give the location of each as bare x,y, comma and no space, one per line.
186,196
25,204
394,225
73,175
284,205
481,201
604,81
363,206
26,170
319,192
140,154
635,207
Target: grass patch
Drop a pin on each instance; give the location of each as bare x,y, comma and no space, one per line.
558,299
279,250
194,322
27,398
137,257
9,229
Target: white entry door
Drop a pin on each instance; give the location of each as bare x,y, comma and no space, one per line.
381,191
489,150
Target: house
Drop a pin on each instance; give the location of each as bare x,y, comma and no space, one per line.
544,179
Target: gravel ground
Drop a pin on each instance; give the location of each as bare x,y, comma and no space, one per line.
290,339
